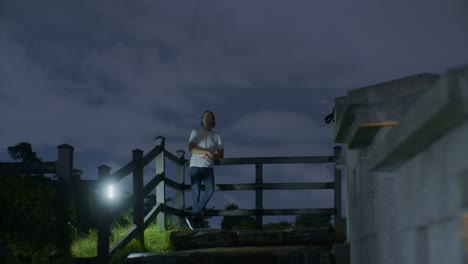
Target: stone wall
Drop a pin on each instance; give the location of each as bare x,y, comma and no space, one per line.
407,183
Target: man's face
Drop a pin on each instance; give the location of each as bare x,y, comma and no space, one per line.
207,118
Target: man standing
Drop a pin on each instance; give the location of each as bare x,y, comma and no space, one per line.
205,146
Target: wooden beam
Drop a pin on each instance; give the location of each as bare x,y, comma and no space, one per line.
174,158
241,212
175,185
131,234
153,183
380,124
149,218
123,172
151,155
270,186
274,160
366,132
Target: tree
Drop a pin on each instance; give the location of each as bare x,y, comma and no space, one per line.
23,151
312,220
84,196
242,222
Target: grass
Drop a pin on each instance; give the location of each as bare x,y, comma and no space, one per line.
156,240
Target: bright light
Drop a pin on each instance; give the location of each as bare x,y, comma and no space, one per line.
110,192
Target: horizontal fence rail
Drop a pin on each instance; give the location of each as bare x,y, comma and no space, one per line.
160,212
275,160
263,186
246,212
123,172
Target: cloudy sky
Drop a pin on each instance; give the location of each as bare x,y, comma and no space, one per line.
109,76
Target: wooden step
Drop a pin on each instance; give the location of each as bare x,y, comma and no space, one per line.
307,245
207,238
235,255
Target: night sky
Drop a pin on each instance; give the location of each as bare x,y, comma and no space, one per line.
108,77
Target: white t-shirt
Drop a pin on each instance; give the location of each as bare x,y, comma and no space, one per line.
209,140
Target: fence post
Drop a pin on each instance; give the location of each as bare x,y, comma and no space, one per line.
103,217
161,187
179,201
64,171
339,221
337,172
138,185
258,195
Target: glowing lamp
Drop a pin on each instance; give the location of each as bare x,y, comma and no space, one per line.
110,192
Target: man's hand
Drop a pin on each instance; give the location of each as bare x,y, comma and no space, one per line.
209,154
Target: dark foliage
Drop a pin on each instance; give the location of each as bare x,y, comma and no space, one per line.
23,151
243,222
28,223
312,220
277,226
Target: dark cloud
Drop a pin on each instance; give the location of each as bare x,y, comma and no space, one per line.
110,76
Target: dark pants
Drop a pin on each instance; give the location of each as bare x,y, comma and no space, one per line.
197,175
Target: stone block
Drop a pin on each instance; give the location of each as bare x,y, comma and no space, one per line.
356,222
367,217
444,242
464,236
355,251
381,97
414,246
387,247
436,183
439,110
372,249
364,180
422,245
462,189
385,209
364,251
409,205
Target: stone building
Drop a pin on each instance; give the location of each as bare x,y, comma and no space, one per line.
406,158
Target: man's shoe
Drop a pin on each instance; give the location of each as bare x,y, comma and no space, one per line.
187,220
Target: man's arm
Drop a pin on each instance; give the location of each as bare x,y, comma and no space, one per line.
220,154
192,147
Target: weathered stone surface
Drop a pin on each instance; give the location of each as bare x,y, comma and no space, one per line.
380,102
404,190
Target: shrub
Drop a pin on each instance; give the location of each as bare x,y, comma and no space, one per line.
28,222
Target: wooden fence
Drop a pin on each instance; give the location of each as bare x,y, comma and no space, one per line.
159,182
107,214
